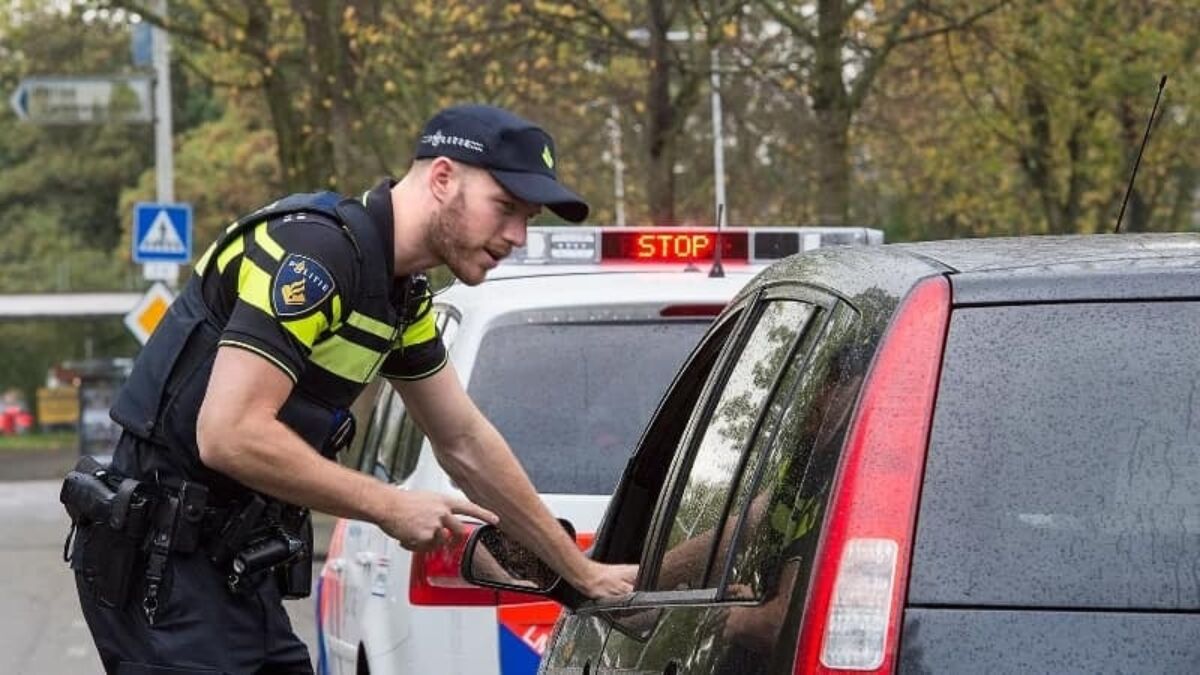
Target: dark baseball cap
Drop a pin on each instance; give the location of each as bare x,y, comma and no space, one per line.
517,152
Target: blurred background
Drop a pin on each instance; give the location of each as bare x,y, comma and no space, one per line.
924,118
928,119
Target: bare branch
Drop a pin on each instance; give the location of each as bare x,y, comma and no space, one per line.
951,26
793,22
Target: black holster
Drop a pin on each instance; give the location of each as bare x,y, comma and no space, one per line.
295,577
266,538
110,516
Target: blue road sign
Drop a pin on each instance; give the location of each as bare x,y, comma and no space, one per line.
162,233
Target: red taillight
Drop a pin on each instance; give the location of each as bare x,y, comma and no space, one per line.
435,580
852,618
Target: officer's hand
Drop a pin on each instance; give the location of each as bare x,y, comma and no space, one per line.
608,581
422,521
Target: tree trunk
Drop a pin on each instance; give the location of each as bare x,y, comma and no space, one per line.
660,121
830,107
295,159
333,83
1036,162
833,167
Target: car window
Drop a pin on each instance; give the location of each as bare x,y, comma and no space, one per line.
1063,468
360,454
705,499
389,439
408,450
783,503
623,536
447,323
572,398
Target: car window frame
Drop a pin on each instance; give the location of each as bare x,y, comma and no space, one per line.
839,323
724,328
689,445
824,307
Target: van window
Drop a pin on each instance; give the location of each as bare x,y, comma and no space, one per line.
572,398
705,500
1063,468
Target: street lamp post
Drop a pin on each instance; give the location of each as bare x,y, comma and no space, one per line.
614,136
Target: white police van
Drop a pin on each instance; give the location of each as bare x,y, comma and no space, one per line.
567,349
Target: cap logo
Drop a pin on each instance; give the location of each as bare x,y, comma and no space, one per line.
547,157
437,139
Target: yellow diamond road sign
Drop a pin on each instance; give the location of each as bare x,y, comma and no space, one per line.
144,317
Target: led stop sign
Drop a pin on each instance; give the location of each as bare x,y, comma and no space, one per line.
672,245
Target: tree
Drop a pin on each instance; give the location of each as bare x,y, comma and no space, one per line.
842,46
661,47
59,184
1050,100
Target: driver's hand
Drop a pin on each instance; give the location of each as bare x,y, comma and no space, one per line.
608,581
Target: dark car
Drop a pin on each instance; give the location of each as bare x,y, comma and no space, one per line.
972,456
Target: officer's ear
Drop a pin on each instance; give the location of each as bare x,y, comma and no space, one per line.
442,178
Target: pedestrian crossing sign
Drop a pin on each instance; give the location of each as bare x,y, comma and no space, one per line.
162,233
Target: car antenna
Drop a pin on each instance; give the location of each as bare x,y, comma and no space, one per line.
718,271
1137,162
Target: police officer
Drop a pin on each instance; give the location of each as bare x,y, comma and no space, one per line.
239,401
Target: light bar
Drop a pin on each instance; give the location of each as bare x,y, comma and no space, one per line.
682,245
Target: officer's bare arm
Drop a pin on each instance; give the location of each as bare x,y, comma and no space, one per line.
239,436
480,461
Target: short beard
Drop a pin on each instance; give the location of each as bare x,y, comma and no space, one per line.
441,237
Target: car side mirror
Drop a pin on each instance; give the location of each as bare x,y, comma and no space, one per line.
493,559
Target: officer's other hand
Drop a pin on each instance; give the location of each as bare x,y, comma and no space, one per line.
608,581
422,521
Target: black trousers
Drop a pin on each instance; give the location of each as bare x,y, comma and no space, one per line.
200,627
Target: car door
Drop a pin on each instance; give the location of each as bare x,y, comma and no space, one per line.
719,568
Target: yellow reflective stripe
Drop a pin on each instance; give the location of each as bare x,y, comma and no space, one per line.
308,329
336,313
266,243
230,227
423,330
265,355
346,359
254,286
203,261
373,326
231,251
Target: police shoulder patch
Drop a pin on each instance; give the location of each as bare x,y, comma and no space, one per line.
300,285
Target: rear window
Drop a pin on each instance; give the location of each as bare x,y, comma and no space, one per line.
572,399
1064,460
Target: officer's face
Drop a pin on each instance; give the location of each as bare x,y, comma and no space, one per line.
479,226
